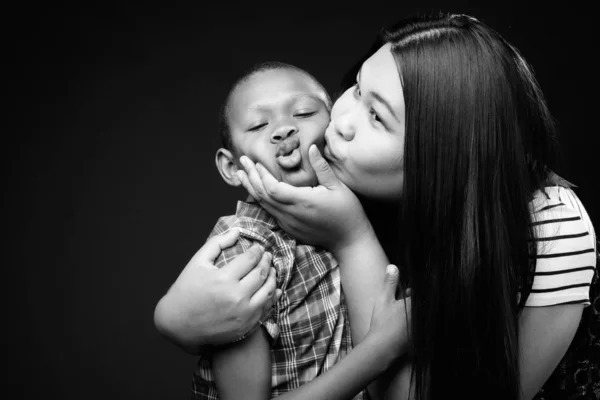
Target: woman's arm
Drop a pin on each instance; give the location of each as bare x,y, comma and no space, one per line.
362,271
242,370
207,305
545,334
329,215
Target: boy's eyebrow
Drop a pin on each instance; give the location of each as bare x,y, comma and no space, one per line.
379,98
313,96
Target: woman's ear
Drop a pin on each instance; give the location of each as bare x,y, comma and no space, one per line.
227,167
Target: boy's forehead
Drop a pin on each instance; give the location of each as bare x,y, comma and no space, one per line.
273,85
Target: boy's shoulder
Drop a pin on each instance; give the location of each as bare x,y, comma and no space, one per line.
256,225
249,218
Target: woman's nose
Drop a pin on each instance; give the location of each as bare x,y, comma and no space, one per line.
342,115
282,132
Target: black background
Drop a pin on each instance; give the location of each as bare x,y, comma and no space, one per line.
109,179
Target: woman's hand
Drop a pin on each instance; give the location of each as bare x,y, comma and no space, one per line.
207,305
329,215
388,332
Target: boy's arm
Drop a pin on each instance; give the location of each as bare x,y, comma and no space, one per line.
206,305
371,357
242,369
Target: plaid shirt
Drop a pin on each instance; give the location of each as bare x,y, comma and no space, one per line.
309,328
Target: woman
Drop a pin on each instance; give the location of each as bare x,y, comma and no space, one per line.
447,126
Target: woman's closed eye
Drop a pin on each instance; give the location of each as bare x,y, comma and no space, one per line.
375,116
372,113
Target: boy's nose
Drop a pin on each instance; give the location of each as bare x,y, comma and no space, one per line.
282,133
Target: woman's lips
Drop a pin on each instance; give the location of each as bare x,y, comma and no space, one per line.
328,151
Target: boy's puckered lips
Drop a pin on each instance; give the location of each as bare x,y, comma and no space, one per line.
288,153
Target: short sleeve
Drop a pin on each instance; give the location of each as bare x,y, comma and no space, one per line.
245,241
566,251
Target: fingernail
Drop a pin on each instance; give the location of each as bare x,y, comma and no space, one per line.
243,160
256,249
263,274
239,175
392,270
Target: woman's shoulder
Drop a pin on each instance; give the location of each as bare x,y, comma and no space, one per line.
566,248
557,211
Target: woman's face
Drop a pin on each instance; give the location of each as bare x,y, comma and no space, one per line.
365,138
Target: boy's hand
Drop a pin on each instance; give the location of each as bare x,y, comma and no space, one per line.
207,305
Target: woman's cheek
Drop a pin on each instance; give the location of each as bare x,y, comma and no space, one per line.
341,104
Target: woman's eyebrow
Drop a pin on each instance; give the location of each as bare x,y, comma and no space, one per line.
385,103
379,98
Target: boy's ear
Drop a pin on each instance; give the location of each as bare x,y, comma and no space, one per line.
227,167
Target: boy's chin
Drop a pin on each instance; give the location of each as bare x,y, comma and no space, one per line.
299,178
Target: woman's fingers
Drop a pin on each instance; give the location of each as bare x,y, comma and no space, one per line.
325,174
245,263
270,192
258,277
276,190
391,282
243,177
213,247
258,191
265,298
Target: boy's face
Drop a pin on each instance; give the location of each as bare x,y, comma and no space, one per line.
273,118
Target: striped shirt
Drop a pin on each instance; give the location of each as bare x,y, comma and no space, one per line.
566,244
309,329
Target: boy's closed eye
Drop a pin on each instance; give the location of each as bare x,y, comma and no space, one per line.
257,127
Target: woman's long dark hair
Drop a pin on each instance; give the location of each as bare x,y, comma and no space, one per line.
479,142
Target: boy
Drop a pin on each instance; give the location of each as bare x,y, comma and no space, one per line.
272,115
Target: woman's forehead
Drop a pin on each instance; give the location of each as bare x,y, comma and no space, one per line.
379,78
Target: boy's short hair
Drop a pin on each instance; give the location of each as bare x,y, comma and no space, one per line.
224,131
